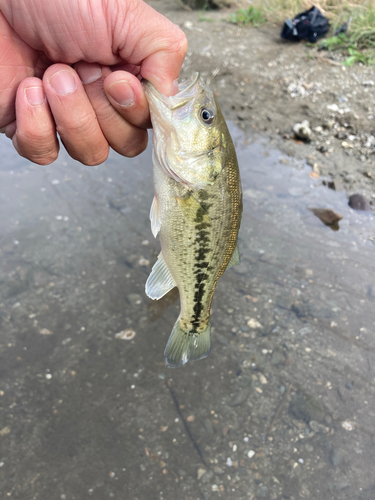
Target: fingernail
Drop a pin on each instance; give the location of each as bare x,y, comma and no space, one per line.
63,82
89,73
35,95
122,93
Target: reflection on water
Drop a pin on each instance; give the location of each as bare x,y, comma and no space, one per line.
282,408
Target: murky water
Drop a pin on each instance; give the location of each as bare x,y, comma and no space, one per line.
283,408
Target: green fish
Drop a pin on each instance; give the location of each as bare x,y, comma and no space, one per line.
196,209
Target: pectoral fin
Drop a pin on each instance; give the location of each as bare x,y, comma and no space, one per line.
235,259
160,280
155,217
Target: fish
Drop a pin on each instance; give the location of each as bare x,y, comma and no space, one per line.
196,209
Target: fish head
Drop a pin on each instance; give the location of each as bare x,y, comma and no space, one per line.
188,132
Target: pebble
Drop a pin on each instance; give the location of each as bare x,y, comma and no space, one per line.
335,457
348,426
326,215
201,473
359,202
45,331
262,492
128,334
333,107
254,323
303,131
296,90
135,299
143,262
251,453
240,398
206,478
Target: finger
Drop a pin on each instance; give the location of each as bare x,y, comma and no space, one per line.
33,134
9,130
122,123
153,42
74,116
126,94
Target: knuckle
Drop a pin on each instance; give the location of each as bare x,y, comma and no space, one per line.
83,123
46,159
36,148
135,148
94,157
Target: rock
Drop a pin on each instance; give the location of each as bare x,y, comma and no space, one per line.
335,457
303,131
307,409
341,485
358,202
329,124
262,492
128,334
200,473
134,298
240,398
341,135
278,357
218,470
206,478
254,323
296,90
333,107
207,425
326,215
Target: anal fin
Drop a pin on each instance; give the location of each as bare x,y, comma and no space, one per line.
235,259
160,280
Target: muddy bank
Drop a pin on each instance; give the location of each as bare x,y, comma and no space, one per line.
267,86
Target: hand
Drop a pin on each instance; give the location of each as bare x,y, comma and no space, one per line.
74,67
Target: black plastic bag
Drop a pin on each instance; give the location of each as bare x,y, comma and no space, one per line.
309,25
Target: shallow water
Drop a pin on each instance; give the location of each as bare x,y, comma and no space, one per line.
282,408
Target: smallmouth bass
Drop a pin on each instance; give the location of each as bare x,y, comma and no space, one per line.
196,209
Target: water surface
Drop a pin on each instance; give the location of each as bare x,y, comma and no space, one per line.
283,408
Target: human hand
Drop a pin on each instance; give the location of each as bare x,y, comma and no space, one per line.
74,67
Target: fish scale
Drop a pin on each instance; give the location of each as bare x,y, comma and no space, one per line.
196,210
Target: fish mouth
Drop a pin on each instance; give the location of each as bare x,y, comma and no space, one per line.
187,90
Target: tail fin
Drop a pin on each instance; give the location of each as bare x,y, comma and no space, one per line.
184,346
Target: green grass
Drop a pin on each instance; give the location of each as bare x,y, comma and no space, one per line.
361,31
252,15
358,42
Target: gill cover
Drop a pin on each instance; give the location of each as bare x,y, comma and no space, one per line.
187,132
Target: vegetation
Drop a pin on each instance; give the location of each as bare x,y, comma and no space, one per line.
252,15
358,43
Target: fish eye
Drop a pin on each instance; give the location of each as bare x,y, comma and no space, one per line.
207,115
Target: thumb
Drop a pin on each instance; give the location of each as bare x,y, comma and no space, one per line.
155,44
